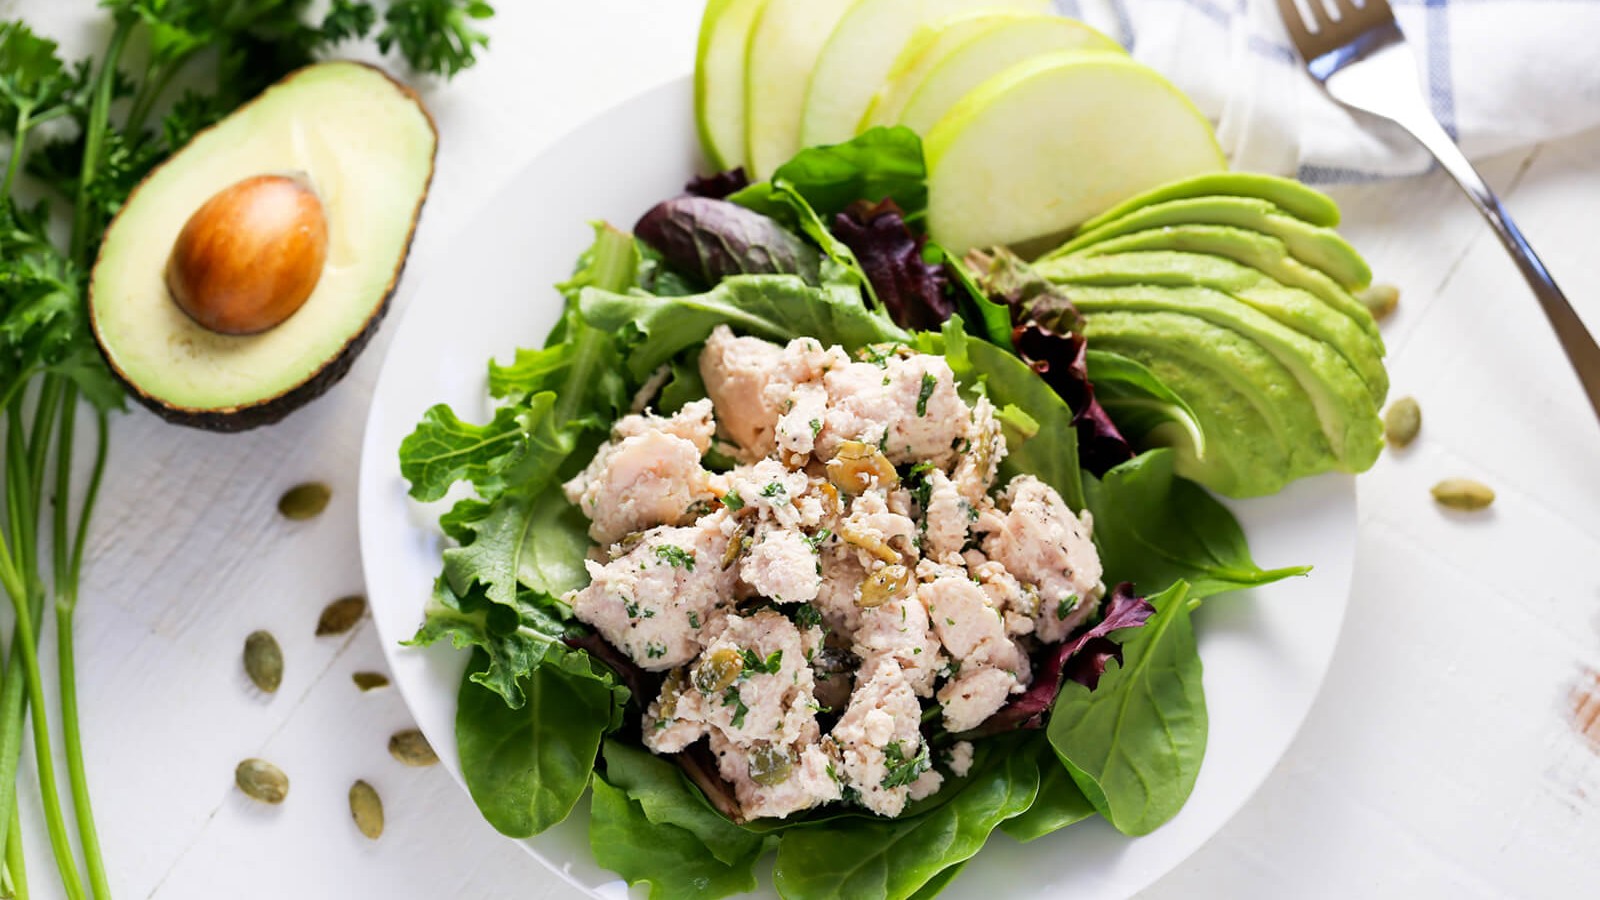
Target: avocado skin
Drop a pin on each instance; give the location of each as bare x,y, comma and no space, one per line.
271,410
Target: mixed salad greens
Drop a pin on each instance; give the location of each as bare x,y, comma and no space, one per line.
831,247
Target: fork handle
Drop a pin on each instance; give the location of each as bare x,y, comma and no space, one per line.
1575,339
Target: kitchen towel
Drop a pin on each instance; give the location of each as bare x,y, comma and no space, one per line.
1498,74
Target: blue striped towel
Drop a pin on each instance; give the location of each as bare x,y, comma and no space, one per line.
1499,74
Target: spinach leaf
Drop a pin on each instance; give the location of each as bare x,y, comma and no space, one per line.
1155,528
1038,423
670,858
1060,803
876,164
1134,744
1140,402
896,858
526,768
939,882
668,798
776,307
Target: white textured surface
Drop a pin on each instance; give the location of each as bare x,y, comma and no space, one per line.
1439,762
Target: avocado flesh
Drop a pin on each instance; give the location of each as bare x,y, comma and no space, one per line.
366,145
1339,398
1261,432
1262,252
1292,307
1304,203
1320,248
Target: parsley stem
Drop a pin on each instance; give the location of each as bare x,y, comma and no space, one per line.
68,563
83,224
16,863
20,130
156,79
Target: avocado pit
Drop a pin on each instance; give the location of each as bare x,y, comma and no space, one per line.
250,256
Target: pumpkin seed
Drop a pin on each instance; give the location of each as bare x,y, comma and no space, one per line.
1402,421
261,780
718,670
341,615
367,809
882,585
1381,300
368,681
263,660
1463,493
411,748
304,501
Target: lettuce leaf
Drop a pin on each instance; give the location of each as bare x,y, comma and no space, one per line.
780,308
669,858
1059,803
914,291
878,164
667,797
709,240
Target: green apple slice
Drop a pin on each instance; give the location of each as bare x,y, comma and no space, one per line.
1055,140
784,43
719,79
987,55
857,57
927,48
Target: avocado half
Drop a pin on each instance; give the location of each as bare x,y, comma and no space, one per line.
365,145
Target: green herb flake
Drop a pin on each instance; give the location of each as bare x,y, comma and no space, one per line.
694,619
1066,606
733,501
675,556
730,697
773,489
755,665
807,616
816,427
818,539
655,650
903,770
928,384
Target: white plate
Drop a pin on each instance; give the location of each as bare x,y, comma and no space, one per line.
1265,651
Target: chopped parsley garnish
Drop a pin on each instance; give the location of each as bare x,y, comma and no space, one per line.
816,427
730,697
675,556
921,481
901,769
1066,606
878,354
817,540
928,384
697,509
755,665
773,489
655,650
733,501
807,616
635,611
694,619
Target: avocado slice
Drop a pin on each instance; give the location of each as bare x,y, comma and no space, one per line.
365,145
1340,399
1320,248
1262,432
1304,203
1259,251
1291,306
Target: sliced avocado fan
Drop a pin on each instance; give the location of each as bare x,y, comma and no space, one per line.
1343,406
358,147
1293,307
1304,203
1315,246
1265,432
1262,252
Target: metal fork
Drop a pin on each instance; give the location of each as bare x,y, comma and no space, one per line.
1360,57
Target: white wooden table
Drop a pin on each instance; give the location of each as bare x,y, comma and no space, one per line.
1443,758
